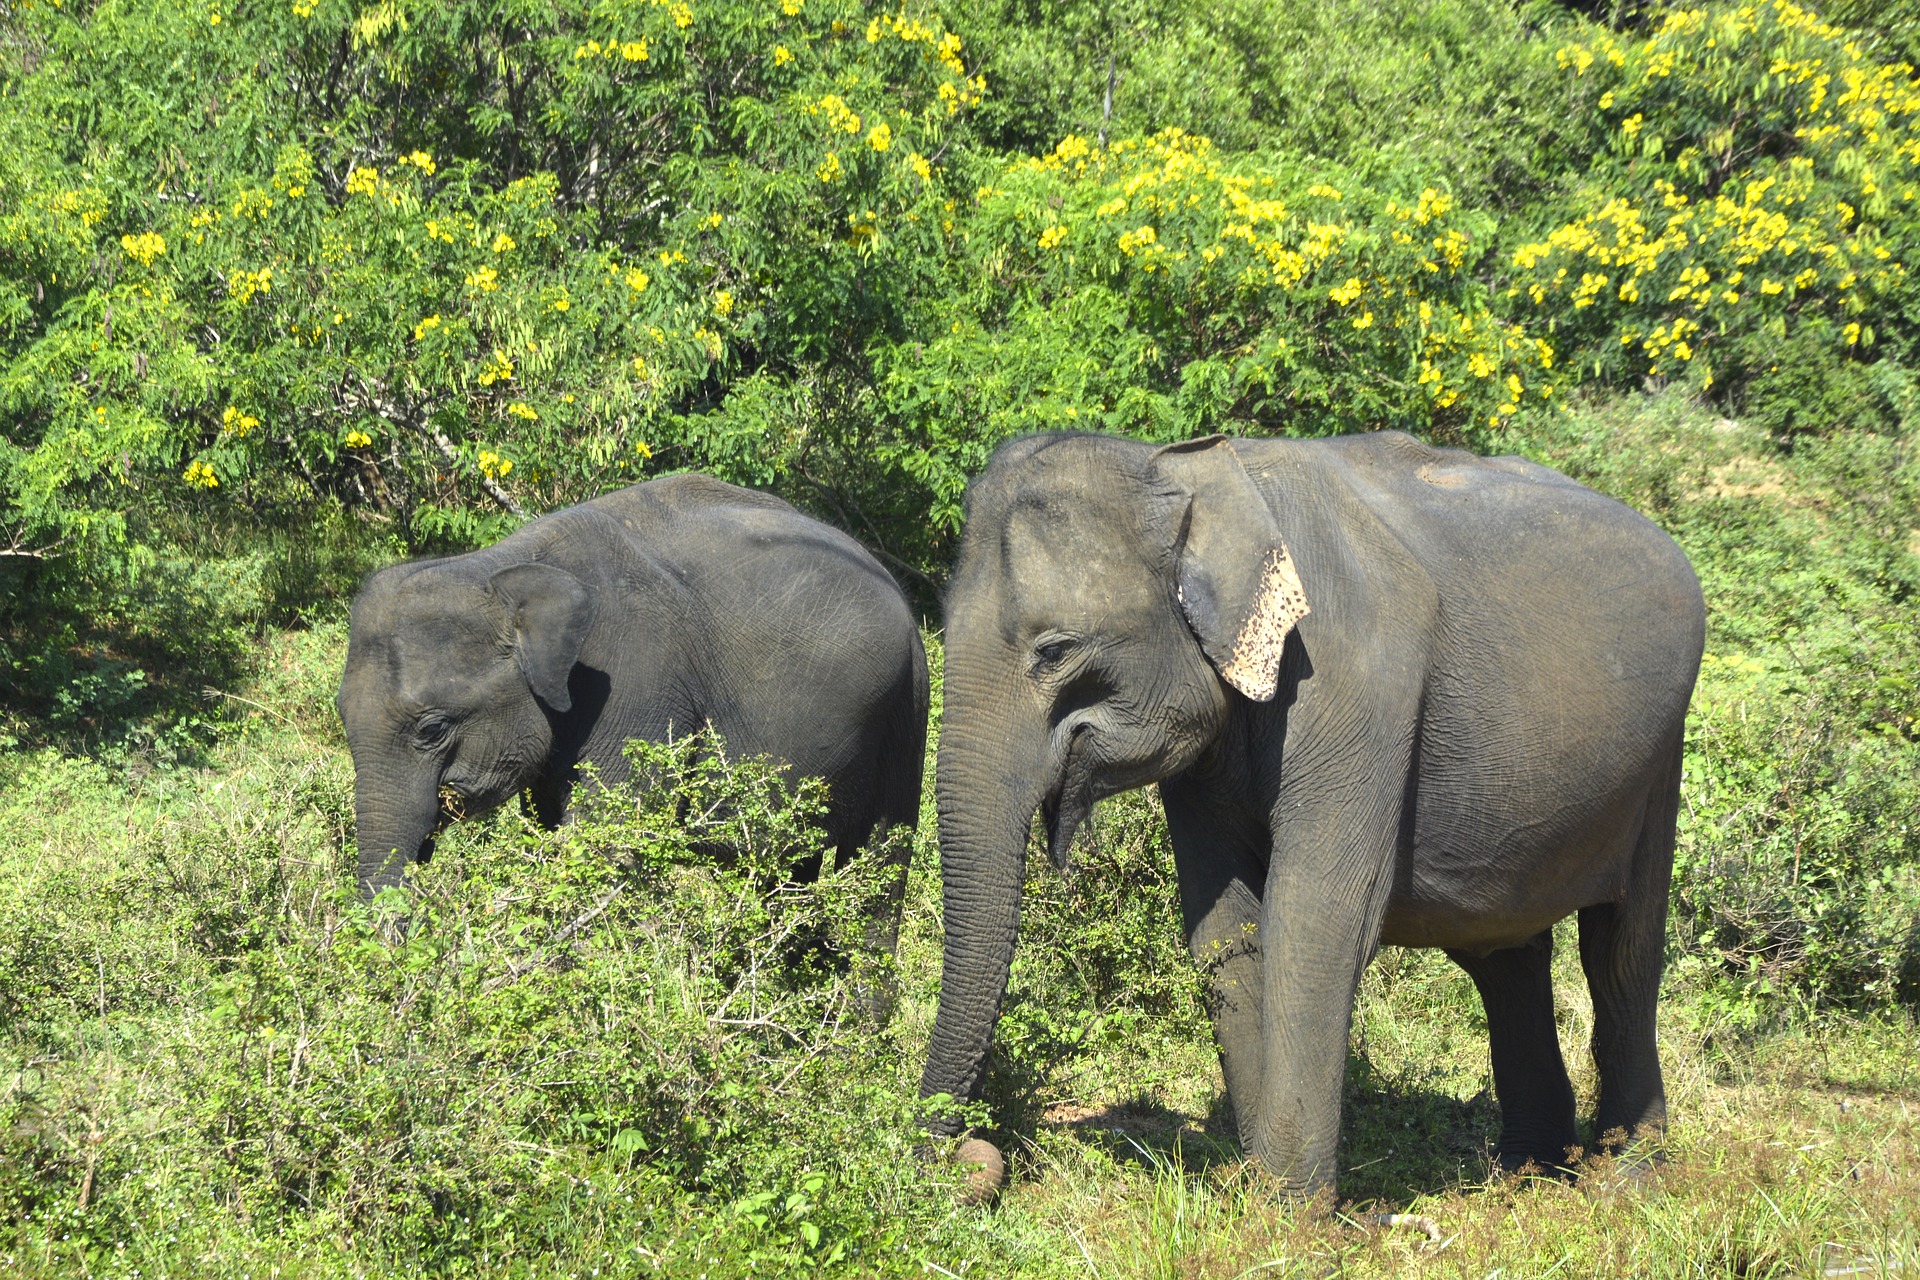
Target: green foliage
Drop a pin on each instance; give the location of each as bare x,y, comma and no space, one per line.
421,297
1159,290
1453,89
1753,206
1101,987
644,1006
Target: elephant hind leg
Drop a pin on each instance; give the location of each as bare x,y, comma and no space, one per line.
1529,1076
1623,950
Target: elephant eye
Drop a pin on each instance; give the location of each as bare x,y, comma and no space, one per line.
431,732
1050,653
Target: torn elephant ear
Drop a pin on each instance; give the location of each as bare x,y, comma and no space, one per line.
1238,585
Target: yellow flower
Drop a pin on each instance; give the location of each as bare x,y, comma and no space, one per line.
143,248
521,410
723,303
682,15
634,50
920,166
485,279
1631,125
363,181
1052,236
497,369
880,137
492,465
200,475
419,160
830,171
567,398
425,327
358,440
791,7
503,243
711,221
243,285
213,20
637,279
781,55
236,423
1363,321
642,448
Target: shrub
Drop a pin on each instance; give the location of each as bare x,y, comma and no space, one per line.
1754,209
1162,290
643,1017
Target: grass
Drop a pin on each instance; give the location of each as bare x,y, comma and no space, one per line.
214,1062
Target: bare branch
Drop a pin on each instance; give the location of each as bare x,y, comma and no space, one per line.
371,398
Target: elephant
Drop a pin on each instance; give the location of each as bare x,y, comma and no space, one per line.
1390,694
648,612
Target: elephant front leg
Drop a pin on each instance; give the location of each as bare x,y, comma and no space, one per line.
1220,878
1326,893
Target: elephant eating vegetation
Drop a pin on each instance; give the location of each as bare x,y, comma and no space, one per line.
649,612
1390,694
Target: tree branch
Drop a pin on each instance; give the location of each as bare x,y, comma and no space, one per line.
385,407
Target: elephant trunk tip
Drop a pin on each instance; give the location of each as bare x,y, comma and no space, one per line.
984,1170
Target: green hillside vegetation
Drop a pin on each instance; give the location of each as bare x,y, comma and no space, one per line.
290,292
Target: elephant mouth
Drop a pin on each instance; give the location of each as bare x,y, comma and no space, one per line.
1070,799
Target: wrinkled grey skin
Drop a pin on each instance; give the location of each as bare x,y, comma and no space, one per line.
648,612
1476,731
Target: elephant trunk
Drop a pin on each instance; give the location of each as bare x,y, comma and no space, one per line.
986,804
391,835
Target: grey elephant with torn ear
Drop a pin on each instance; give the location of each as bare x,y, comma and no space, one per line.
649,612
1390,694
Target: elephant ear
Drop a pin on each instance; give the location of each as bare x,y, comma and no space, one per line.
550,612
1237,583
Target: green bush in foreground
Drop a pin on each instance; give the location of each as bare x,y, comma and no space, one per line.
642,1019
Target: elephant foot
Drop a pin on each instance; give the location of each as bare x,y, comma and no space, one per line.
1537,1163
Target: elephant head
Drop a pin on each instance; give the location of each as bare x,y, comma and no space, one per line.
1109,602
452,682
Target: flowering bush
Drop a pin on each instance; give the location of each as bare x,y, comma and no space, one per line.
1161,289
453,318
1758,196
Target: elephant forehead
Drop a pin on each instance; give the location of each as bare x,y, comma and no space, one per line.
428,653
1074,560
